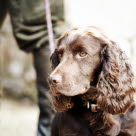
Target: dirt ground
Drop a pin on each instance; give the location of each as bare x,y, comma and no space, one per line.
17,119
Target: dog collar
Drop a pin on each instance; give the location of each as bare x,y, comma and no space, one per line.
93,107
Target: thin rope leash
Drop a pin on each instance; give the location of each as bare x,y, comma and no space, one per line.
49,26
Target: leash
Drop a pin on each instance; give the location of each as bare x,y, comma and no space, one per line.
49,26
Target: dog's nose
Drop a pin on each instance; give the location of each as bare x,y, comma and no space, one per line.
54,79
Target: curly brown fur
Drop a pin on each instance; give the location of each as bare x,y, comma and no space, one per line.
61,103
115,83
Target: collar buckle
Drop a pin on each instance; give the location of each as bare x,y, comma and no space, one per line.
93,107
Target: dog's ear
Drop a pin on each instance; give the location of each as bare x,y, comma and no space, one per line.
115,82
54,59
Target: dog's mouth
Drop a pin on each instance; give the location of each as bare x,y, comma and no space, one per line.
53,91
70,92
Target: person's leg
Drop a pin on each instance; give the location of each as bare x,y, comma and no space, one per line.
42,67
29,27
3,10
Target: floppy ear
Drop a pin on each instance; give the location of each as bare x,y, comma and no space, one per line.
54,59
115,82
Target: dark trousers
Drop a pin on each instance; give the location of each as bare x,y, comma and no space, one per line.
30,32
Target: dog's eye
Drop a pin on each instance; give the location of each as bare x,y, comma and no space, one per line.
82,54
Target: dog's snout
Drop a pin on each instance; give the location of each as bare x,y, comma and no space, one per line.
54,79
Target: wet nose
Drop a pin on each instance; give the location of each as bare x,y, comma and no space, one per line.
54,79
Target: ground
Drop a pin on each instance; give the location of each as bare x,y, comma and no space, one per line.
18,119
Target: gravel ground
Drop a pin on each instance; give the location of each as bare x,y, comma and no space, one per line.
17,119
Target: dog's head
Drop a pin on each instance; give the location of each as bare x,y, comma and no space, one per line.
86,57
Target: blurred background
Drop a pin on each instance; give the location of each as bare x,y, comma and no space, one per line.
18,95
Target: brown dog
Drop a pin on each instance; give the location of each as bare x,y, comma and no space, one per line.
91,86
